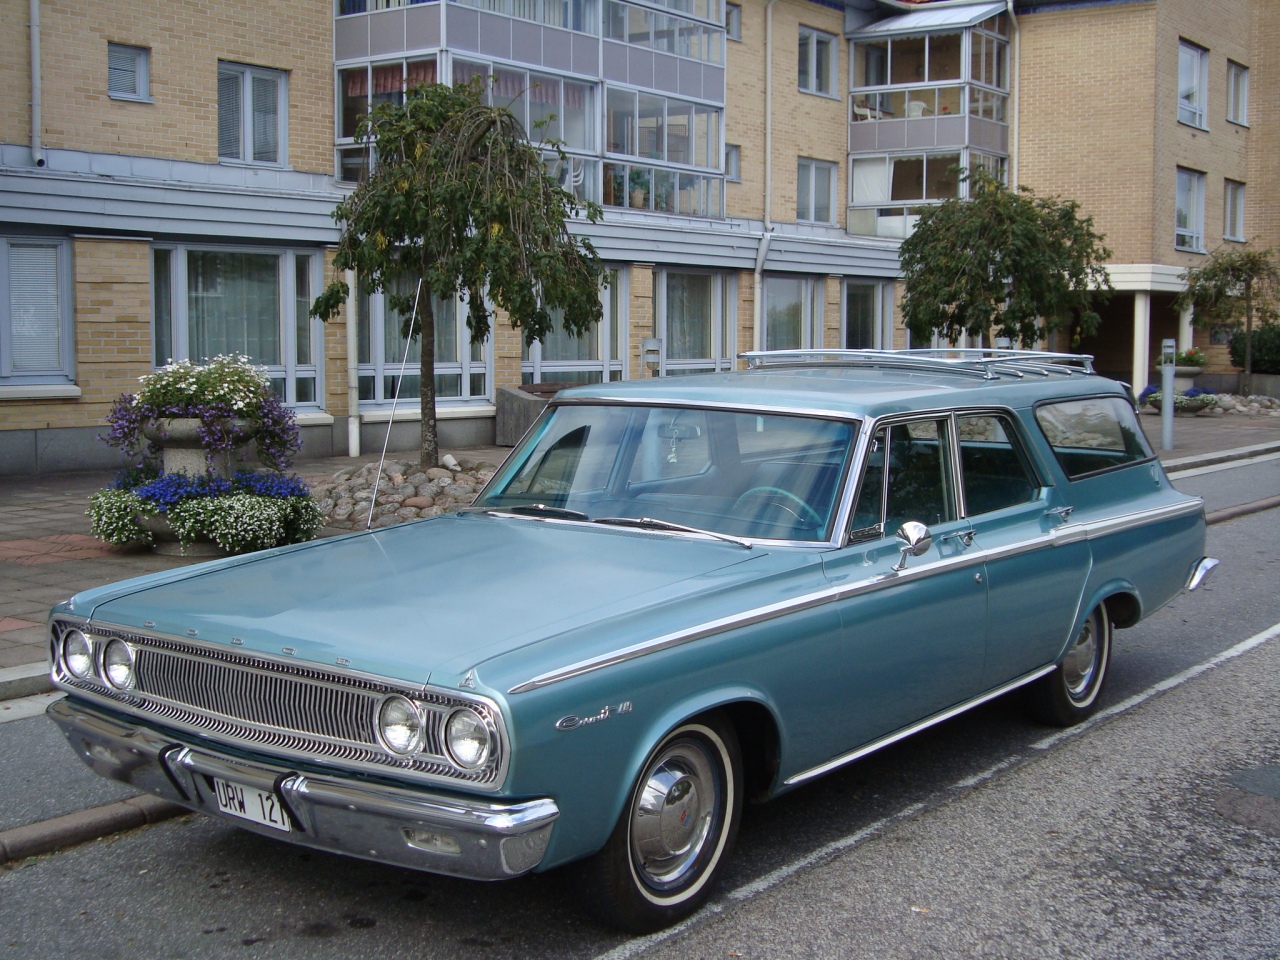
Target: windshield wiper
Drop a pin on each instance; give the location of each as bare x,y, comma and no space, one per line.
650,523
539,510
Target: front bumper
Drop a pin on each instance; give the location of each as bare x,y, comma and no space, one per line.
433,832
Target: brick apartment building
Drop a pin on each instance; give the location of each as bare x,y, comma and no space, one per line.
167,175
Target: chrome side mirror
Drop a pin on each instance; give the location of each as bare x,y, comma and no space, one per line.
916,540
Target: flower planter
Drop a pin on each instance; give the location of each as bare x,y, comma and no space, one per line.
183,450
167,543
1189,407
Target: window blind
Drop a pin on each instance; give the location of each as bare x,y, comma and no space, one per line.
229,124
122,70
266,119
36,334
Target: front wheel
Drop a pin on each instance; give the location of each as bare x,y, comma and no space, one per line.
1070,693
680,821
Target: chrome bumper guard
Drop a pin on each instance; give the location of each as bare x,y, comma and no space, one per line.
437,833
1202,572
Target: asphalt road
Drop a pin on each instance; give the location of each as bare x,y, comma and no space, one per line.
982,837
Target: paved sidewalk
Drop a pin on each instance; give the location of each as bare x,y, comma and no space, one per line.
47,553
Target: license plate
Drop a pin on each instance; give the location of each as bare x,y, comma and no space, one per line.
250,803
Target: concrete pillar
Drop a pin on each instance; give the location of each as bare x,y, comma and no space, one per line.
1184,330
1141,339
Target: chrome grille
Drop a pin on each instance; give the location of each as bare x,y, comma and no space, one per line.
297,710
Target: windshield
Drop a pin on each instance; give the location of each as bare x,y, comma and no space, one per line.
758,476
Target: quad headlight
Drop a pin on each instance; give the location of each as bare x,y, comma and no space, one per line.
468,739
401,727
117,665
77,655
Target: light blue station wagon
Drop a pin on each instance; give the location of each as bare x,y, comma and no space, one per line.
676,594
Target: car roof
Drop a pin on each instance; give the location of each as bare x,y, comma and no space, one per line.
852,389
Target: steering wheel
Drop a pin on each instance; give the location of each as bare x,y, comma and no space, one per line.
783,499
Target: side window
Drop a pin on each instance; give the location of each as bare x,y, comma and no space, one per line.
917,458
994,470
1092,435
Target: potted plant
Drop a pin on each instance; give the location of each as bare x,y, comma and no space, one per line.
1185,402
180,494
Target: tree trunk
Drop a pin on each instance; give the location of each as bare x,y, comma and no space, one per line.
1246,382
429,455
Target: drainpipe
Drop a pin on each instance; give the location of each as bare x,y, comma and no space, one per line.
762,252
37,151
1015,76
353,371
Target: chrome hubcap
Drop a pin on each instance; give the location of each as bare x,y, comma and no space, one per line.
672,814
1081,662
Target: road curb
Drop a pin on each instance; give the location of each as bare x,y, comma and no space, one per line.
1241,510
24,681
45,836
1221,456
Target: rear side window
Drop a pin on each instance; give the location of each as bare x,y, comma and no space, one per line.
1092,435
994,472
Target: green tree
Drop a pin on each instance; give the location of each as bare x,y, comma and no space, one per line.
460,199
1235,284
1004,263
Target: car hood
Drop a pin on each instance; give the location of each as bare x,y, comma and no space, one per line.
404,601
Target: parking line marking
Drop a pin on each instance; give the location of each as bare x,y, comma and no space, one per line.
639,945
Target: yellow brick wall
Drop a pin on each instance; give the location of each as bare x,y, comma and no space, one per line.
335,348
112,293
186,38
804,124
15,56
1262,194
642,321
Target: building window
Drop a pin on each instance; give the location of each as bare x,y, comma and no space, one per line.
733,21
254,302
579,15
252,114
663,32
1237,93
35,312
1189,222
815,191
1233,211
594,357
864,316
1193,83
889,191
793,312
388,362
817,63
732,162
696,321
128,72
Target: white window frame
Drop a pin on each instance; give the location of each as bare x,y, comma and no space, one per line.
381,366
611,343
1237,93
141,65
724,327
62,372
1233,210
733,21
812,301
812,81
1189,205
246,75
288,371
1193,60
806,206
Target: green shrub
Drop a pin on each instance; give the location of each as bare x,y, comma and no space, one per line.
1266,348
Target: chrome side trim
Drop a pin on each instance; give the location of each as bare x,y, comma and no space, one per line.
905,732
1067,533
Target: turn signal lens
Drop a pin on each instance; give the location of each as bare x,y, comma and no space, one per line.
468,739
117,665
400,725
77,655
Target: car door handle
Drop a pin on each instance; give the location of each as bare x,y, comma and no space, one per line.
964,536
1062,513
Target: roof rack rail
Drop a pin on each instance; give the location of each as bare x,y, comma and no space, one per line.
984,363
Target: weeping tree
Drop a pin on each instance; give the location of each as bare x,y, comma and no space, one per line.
460,199
1003,263
1234,286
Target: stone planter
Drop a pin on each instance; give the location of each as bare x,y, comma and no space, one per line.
1189,408
167,543
183,453
1184,378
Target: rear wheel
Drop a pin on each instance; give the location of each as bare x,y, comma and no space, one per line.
1070,693
679,824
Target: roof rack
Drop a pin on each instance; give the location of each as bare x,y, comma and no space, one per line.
983,363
